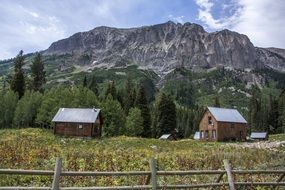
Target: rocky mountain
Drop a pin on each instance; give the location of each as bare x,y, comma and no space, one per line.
166,46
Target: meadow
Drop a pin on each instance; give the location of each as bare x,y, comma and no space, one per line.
32,148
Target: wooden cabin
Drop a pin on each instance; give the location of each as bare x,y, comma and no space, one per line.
221,124
78,122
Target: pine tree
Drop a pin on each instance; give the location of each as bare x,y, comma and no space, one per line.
281,111
166,115
129,97
111,89
85,81
142,104
253,112
273,115
217,101
18,80
94,86
38,73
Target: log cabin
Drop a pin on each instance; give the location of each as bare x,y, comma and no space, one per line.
79,122
221,124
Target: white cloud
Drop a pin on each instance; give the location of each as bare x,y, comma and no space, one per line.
27,30
261,20
33,25
206,16
179,19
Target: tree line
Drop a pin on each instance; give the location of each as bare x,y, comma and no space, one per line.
267,113
126,110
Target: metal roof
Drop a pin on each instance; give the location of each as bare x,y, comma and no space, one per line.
258,135
165,136
76,115
197,135
227,115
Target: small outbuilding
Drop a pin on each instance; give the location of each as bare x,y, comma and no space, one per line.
222,124
169,137
82,122
259,136
197,135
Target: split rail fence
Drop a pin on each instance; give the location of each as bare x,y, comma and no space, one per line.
152,179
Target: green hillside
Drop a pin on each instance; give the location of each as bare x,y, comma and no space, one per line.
257,94
37,149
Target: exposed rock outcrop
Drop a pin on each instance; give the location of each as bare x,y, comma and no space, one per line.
163,47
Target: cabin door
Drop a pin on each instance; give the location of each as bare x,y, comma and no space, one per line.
80,130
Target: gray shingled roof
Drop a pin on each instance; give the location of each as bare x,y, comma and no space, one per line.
258,135
76,115
227,115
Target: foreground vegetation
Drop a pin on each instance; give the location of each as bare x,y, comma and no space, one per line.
37,149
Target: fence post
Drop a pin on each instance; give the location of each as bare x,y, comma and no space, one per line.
152,164
229,174
57,171
279,180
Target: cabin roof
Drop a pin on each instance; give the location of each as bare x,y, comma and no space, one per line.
258,135
165,136
227,115
76,115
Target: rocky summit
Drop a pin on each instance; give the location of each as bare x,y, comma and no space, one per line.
166,46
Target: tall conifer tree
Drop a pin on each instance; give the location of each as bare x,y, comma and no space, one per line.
94,86
85,81
38,73
142,104
18,80
166,115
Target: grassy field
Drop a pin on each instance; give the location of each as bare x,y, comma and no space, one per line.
37,149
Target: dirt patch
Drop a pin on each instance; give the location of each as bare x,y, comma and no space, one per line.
262,144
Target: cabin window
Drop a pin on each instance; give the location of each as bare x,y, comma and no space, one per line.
232,126
80,126
214,134
210,122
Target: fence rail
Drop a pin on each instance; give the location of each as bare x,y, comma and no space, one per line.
152,178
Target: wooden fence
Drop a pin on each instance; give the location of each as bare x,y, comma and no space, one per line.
152,180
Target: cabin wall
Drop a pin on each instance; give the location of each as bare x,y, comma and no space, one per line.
208,131
75,129
231,131
97,128
221,131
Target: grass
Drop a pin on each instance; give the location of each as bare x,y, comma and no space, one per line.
278,137
37,149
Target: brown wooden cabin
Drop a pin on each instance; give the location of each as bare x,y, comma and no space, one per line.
78,122
221,124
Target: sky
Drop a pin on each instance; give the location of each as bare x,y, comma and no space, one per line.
32,25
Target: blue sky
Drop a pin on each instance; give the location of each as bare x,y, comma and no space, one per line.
32,25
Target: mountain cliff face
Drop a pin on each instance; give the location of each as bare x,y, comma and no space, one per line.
166,46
